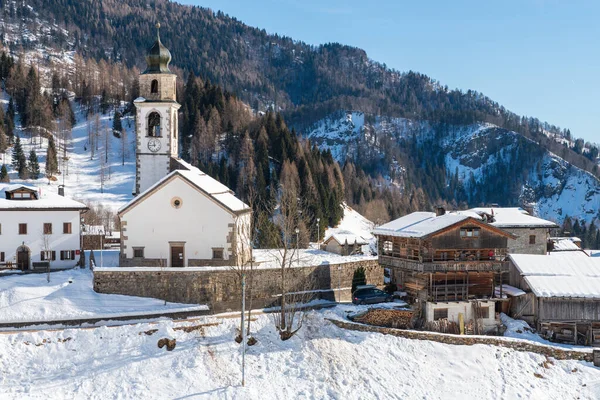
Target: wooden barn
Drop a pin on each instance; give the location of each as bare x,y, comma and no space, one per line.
446,261
562,295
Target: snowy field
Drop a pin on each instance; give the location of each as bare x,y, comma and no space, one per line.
70,295
321,362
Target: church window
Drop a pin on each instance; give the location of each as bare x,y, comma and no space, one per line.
176,202
154,124
154,86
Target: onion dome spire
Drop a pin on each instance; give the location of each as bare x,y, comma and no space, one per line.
158,57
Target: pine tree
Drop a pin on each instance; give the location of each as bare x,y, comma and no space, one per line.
4,174
359,278
117,125
33,166
51,160
3,141
19,160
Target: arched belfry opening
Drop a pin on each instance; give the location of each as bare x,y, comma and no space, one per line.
154,86
154,124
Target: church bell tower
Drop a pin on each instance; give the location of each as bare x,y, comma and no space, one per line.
157,126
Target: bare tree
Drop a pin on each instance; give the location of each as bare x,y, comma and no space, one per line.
46,250
123,145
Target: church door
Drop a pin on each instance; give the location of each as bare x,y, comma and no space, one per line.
23,258
176,256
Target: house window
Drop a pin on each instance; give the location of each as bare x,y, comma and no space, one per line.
387,247
469,233
67,254
531,239
48,255
483,312
154,124
47,229
440,313
22,229
217,254
138,252
154,86
66,227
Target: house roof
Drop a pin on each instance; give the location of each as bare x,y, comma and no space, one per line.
564,244
424,224
509,217
46,200
212,188
343,237
561,274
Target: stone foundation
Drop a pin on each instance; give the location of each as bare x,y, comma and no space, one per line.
221,289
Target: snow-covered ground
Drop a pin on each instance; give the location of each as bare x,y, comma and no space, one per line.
355,224
321,362
70,295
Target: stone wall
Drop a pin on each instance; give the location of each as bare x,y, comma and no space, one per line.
521,244
463,340
221,289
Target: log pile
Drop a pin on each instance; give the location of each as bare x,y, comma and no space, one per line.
442,326
388,318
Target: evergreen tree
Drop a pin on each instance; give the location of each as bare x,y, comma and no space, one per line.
33,166
4,174
117,125
359,278
19,160
3,141
51,160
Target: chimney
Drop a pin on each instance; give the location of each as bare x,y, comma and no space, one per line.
439,211
61,190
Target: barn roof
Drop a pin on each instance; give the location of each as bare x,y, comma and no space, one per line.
424,224
343,237
510,217
561,274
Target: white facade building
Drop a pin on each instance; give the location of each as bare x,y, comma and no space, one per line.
38,227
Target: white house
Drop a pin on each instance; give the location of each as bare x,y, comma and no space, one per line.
38,227
185,219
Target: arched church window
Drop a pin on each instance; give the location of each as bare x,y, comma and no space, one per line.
154,86
154,124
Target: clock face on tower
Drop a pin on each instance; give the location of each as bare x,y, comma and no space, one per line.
154,145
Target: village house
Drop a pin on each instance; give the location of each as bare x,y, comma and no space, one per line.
38,229
448,262
345,243
531,233
564,244
560,295
180,216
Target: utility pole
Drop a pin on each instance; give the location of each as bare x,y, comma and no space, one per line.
318,233
297,253
243,329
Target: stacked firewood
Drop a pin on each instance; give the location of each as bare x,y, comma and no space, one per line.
442,326
388,318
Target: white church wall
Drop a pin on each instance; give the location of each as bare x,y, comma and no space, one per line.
10,239
154,223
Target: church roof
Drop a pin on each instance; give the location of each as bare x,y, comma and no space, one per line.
212,188
158,57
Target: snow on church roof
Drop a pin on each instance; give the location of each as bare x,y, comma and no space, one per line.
46,200
562,274
213,188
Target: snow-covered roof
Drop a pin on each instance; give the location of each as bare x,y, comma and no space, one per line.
564,244
561,274
510,217
509,290
343,237
419,224
46,200
213,188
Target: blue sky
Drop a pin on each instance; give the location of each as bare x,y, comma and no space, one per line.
538,58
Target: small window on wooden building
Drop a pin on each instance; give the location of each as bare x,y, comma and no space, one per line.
47,228
469,233
387,247
440,313
22,229
138,252
531,239
218,254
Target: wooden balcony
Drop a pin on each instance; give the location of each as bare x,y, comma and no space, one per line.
491,264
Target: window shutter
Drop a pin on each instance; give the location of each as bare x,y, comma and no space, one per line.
53,255
42,255
62,254
1,256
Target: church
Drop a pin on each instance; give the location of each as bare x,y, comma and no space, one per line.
179,216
